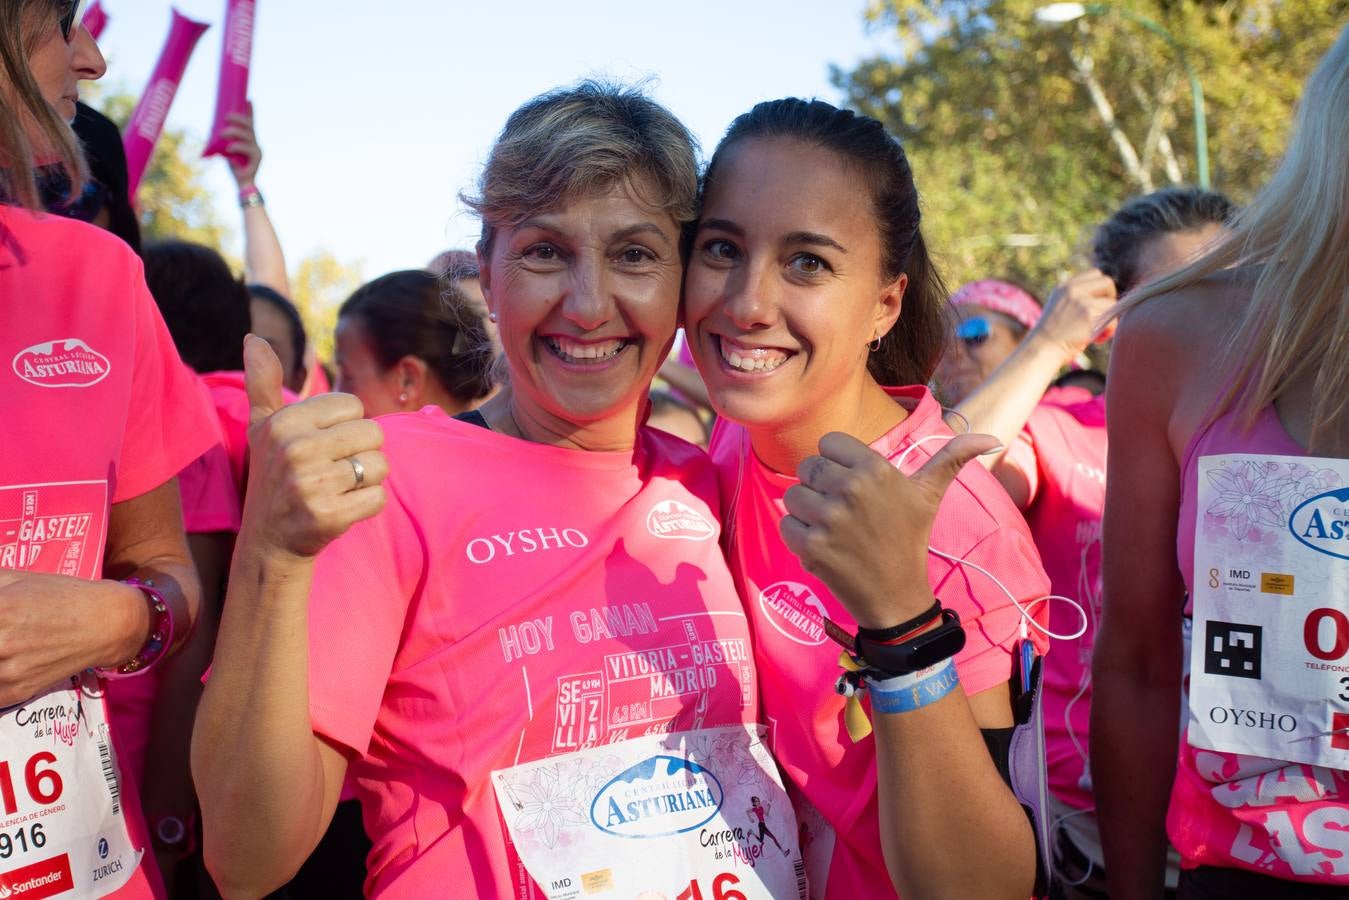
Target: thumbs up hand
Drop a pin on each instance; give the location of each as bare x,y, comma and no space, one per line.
316,468
861,526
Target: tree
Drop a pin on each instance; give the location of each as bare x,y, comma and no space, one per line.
171,199
320,282
1024,136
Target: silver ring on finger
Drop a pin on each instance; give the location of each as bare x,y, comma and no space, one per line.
357,469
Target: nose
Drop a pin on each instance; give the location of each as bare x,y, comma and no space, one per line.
588,302
88,63
751,298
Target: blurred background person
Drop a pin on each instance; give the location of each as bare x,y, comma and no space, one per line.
1054,468
409,340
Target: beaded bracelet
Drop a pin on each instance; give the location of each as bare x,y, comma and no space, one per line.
156,646
906,693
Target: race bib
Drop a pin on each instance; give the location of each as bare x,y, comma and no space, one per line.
61,824
698,815
1269,667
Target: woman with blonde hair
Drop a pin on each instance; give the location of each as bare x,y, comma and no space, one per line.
1228,431
100,415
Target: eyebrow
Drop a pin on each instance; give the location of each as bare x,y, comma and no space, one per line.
650,228
812,238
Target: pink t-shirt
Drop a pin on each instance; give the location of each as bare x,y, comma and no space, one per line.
1061,453
211,503
514,602
797,662
97,409
231,406
209,488
1283,819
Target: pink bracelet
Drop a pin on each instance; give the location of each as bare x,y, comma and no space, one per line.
157,645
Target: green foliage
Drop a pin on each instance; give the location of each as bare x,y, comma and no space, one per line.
319,284
171,199
1013,157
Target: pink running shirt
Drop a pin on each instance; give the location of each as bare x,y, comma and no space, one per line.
1286,820
211,503
797,662
1061,453
97,406
514,602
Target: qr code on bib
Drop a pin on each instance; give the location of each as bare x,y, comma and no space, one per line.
1232,649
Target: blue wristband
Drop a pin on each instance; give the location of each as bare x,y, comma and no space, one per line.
916,693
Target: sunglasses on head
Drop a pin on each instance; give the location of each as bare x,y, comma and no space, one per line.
973,332
73,16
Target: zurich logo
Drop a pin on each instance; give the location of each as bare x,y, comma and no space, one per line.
102,848
1322,523
657,797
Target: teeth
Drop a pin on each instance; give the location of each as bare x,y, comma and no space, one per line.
573,351
759,359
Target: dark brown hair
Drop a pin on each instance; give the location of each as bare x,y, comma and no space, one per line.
908,352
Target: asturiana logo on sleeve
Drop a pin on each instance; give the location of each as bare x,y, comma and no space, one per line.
659,796
677,521
1322,523
794,611
64,363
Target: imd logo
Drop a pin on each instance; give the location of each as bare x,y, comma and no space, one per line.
1322,523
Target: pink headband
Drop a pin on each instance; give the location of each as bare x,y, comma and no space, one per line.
1000,297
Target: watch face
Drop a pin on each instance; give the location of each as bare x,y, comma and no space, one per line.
935,646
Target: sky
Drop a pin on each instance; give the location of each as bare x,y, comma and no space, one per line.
373,116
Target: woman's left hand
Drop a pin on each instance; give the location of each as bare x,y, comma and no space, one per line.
55,626
861,526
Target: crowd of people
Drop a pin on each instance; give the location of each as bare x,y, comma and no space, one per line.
852,603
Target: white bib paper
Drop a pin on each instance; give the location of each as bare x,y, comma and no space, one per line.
62,831
699,815
1269,671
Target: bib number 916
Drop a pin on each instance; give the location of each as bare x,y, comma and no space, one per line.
22,839
41,781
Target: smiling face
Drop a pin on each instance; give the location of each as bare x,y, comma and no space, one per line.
586,299
59,65
786,287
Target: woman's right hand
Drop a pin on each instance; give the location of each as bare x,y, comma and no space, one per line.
303,487
1073,312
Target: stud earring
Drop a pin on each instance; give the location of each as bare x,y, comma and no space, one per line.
492,317
403,397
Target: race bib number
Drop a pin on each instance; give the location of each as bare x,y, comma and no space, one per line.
698,815
61,824
1269,665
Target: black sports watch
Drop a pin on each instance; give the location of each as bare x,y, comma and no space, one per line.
927,649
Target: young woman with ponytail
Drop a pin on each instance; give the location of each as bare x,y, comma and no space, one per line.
816,317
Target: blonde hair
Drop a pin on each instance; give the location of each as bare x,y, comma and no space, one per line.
25,115
573,142
1295,236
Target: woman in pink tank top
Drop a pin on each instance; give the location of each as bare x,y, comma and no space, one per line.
1054,470
1241,352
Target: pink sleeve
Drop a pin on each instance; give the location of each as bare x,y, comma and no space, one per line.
992,622
169,423
210,500
364,583
1021,456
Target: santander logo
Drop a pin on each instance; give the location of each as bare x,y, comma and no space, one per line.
64,363
794,611
676,521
